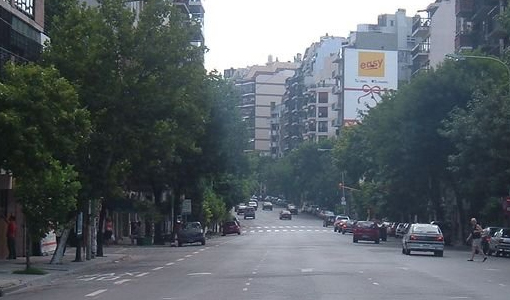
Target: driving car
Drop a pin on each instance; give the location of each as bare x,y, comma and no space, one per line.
253,204
231,227
339,221
401,229
189,233
249,212
366,231
293,209
241,208
237,206
285,215
328,220
347,226
500,242
267,206
423,238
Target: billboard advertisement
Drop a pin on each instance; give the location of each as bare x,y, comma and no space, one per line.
368,74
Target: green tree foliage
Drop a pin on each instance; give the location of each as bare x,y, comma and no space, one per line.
42,126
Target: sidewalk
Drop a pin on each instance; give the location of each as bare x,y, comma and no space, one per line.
10,282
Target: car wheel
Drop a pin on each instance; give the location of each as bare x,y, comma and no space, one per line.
239,233
354,240
377,241
179,244
384,239
438,253
343,231
408,252
223,234
403,250
335,229
202,242
496,253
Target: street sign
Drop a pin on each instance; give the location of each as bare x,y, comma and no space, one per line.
186,207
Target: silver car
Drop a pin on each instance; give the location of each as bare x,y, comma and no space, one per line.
500,242
423,238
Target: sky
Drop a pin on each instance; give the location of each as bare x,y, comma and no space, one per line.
242,33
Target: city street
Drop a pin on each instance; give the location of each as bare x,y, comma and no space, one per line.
280,259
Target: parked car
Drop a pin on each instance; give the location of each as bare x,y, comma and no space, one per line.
285,215
366,231
191,232
487,235
500,242
293,209
267,206
236,208
383,231
249,212
401,229
339,222
347,226
424,238
231,227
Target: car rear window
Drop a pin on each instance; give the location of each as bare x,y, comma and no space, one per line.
425,229
365,224
230,223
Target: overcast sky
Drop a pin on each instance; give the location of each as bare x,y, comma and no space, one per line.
242,33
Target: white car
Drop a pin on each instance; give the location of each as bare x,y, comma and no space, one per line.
423,238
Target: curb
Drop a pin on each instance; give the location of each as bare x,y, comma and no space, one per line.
60,273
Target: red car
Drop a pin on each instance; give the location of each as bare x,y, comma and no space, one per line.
231,227
365,231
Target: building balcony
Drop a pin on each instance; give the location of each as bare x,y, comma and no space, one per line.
421,52
463,40
464,8
421,27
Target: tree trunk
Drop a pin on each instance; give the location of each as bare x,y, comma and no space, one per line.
28,264
100,235
58,255
158,234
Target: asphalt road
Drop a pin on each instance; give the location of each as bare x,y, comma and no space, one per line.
274,259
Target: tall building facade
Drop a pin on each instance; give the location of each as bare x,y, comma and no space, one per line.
434,31
478,27
261,88
22,30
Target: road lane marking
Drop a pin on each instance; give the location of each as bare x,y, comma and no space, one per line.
307,270
459,297
202,249
245,289
95,293
142,274
284,230
269,230
301,230
375,283
292,230
189,255
308,230
254,273
250,279
261,230
121,281
501,284
180,259
158,268
247,283
170,263
276,230
199,274
196,252
252,231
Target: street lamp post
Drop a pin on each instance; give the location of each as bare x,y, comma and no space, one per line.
457,57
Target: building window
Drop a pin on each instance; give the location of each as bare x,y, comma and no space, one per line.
392,23
323,97
26,6
323,112
323,126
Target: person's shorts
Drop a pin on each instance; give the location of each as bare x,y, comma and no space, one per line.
476,244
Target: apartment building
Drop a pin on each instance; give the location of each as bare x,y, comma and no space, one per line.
434,31
478,27
261,88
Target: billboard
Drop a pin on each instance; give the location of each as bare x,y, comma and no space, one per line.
368,74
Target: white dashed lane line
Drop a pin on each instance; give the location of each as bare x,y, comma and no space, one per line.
180,259
122,281
158,268
169,264
95,293
142,274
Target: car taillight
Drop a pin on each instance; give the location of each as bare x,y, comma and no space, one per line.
413,237
344,226
440,238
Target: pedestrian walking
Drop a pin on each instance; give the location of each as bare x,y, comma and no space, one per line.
11,236
135,231
108,232
476,240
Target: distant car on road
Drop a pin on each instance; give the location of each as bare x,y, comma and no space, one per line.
285,215
267,206
347,226
293,209
366,231
424,238
241,208
191,232
339,222
249,212
487,235
231,227
253,204
328,220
